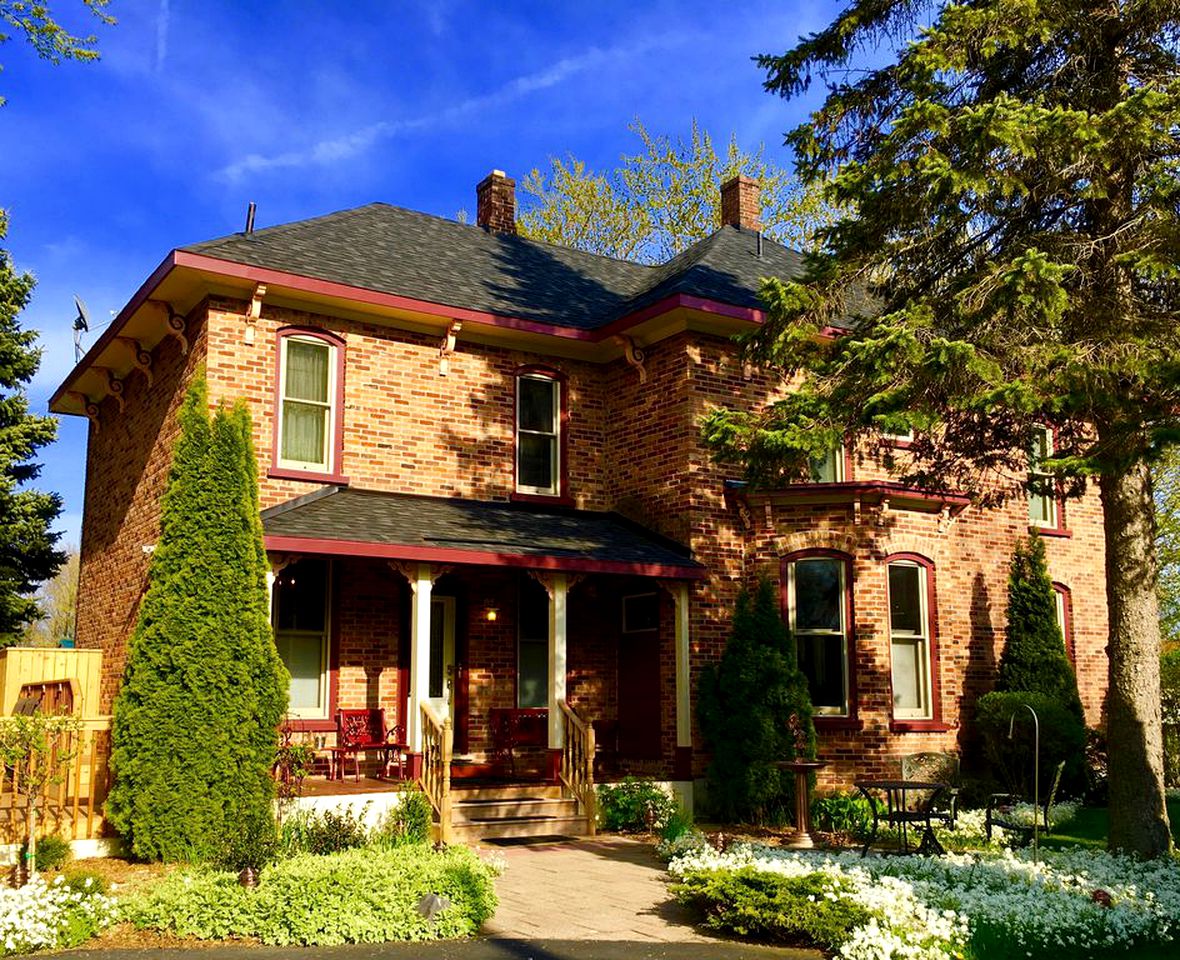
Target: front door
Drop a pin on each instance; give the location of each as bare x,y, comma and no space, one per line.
442,655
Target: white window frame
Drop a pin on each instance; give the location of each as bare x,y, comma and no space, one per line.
907,437
920,639
325,465
1054,518
325,636
555,489
825,711
838,467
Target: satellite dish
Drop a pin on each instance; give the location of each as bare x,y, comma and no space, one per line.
81,325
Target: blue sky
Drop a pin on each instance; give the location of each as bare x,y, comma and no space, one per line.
199,106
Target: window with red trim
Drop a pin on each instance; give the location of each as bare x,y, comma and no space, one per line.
308,405
539,434
829,468
819,616
911,637
1043,506
1063,604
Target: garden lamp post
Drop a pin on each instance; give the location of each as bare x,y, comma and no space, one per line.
1036,768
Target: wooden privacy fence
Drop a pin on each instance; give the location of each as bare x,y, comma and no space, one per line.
71,807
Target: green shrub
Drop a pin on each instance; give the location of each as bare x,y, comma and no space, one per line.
359,896
633,806
678,823
1034,658
204,689
1063,737
323,832
52,853
86,881
408,822
754,709
253,843
751,903
844,813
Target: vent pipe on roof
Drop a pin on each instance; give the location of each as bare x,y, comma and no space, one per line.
250,210
759,244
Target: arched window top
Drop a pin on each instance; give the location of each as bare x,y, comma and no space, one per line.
812,552
909,557
312,333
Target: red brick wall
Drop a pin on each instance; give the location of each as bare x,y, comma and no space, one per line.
128,457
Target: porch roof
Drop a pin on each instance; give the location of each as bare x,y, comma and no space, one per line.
341,521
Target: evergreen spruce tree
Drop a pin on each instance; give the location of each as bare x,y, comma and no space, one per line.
204,689
747,706
28,554
1034,658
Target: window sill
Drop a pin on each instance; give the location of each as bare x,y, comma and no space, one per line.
919,726
553,501
823,723
307,476
1050,531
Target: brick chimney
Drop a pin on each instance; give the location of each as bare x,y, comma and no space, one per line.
739,203
495,203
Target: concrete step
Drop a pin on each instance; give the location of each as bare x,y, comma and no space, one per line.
477,811
513,827
461,792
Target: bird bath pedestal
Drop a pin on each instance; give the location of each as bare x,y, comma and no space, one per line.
801,838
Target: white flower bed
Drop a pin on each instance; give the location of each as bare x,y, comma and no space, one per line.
44,915
930,908
969,824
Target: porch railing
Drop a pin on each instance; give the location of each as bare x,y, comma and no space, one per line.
72,807
577,764
438,742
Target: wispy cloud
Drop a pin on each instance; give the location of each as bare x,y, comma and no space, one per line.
338,149
163,20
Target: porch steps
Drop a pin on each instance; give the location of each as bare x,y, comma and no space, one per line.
513,811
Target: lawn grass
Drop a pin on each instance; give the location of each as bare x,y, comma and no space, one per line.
1091,826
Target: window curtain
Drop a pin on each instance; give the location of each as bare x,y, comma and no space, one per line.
306,407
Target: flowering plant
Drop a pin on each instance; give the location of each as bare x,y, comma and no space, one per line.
43,915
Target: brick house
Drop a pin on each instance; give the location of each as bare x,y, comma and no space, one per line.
484,489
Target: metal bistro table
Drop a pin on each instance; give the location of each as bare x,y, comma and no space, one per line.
899,814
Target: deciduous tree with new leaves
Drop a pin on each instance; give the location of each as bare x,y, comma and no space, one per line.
663,199
1014,261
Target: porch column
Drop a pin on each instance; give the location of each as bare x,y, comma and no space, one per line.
558,588
683,764
421,585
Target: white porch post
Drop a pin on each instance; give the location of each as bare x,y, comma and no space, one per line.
271,576
557,660
421,585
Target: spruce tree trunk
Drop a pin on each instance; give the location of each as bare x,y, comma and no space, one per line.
1138,816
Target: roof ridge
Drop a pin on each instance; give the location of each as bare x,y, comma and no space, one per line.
290,225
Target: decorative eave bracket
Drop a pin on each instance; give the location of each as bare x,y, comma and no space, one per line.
255,312
140,356
89,407
447,347
634,354
176,324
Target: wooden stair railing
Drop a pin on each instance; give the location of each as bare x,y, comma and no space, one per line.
577,764
438,742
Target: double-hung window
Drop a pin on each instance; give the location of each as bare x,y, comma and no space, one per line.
829,468
1042,499
307,403
301,634
538,435
818,616
909,634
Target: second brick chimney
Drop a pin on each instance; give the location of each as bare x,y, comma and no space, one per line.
740,205
495,203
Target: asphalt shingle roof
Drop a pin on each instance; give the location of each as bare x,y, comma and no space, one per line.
476,526
397,251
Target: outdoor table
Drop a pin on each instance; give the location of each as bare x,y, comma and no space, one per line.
898,813
801,838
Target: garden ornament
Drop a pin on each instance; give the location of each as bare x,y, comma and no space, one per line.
432,905
1036,769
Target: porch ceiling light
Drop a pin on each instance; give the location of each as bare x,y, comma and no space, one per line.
492,614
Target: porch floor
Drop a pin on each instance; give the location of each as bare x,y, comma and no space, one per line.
323,787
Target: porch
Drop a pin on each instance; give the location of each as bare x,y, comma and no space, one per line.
536,641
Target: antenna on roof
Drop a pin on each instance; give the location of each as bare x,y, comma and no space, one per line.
81,325
250,210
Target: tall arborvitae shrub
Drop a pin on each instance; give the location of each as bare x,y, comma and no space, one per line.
1034,658
754,709
204,689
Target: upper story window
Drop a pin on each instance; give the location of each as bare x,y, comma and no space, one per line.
1042,498
902,438
309,410
910,640
828,468
538,434
818,617
1063,604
